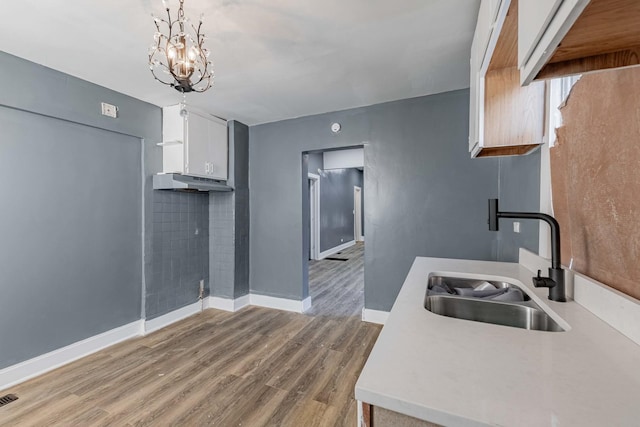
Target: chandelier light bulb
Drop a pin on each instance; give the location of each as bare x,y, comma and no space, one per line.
193,53
179,53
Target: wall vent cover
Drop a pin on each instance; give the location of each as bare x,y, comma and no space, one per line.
4,400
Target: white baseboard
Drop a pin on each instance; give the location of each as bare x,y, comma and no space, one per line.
374,316
172,317
617,309
281,303
332,251
39,365
228,304
306,303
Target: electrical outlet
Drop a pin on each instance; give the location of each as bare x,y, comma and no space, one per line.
109,110
516,227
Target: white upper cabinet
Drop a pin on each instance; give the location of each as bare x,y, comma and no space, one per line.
194,144
504,118
487,16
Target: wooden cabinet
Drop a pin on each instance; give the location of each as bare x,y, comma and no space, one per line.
194,144
376,416
557,38
505,118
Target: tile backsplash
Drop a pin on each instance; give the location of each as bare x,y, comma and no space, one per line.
180,251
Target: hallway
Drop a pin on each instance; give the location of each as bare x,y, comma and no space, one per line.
337,287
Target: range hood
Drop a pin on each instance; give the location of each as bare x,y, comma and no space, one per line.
178,182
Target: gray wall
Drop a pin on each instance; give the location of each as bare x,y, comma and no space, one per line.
336,206
519,190
76,185
180,251
424,195
229,222
316,162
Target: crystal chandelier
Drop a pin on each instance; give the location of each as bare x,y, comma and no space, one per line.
177,57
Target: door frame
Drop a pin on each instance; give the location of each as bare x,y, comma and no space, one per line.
314,216
357,214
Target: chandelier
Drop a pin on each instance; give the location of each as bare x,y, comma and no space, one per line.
177,58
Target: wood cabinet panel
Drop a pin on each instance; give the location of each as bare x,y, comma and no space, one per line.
604,26
513,115
381,417
583,36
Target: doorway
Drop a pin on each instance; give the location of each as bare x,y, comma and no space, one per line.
333,205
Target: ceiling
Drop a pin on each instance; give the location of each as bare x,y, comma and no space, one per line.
273,59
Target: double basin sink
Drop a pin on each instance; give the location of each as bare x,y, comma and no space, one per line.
525,314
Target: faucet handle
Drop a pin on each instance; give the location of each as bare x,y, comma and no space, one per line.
543,282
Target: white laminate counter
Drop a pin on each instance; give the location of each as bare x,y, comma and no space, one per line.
462,373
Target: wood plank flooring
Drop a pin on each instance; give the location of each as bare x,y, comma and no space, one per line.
256,367
337,287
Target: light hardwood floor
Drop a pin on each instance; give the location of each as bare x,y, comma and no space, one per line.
337,287
256,367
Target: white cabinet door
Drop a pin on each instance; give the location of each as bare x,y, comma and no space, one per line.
479,45
196,145
533,20
542,24
484,28
474,107
218,150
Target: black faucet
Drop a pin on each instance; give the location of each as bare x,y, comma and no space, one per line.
555,281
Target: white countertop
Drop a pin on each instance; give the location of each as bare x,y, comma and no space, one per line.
457,372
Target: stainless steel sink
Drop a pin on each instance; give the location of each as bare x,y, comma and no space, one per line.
525,315
465,282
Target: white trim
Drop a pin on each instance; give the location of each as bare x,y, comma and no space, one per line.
306,303
359,414
172,317
357,219
281,303
619,310
39,365
374,316
228,304
332,251
314,200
